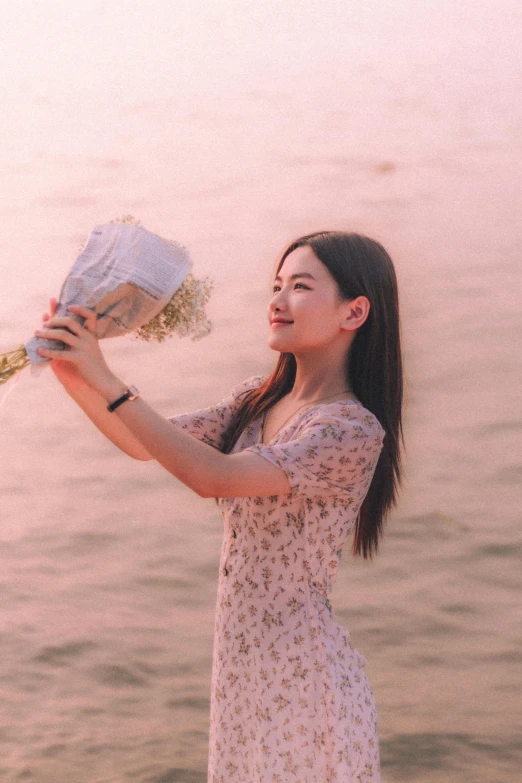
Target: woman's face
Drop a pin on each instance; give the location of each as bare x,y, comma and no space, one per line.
306,294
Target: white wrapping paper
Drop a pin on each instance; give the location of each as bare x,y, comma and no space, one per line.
126,274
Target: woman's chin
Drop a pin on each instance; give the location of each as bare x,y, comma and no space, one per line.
278,345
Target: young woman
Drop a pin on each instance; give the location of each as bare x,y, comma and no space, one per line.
297,461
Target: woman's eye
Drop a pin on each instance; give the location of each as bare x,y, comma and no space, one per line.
277,288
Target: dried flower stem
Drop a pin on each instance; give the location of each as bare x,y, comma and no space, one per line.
11,363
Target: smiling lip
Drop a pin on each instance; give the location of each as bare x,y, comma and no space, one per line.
281,323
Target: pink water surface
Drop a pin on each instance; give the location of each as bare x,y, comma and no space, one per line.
235,127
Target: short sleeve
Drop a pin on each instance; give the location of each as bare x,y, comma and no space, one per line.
210,424
330,454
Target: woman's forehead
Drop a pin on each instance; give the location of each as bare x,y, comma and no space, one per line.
302,260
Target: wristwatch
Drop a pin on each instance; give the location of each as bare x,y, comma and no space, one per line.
131,394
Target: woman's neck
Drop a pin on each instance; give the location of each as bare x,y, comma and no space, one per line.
316,379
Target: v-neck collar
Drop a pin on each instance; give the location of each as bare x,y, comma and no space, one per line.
297,414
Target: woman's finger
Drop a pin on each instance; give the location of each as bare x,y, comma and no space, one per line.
57,334
50,353
53,304
87,312
89,315
68,321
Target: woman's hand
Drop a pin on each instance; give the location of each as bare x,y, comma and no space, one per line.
82,359
66,372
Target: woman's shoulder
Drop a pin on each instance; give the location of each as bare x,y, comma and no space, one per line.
349,413
247,385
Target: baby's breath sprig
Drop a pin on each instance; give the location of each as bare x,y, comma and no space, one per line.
184,315
128,219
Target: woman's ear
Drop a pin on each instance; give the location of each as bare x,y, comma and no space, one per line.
356,313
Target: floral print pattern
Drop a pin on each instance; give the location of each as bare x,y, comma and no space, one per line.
290,699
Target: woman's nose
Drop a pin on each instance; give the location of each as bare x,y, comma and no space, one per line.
278,301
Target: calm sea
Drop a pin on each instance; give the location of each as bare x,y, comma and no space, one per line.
235,127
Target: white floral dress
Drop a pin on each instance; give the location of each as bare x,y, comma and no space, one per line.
290,700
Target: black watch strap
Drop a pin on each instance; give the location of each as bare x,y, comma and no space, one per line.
131,394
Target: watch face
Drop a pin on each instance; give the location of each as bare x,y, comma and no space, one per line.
134,392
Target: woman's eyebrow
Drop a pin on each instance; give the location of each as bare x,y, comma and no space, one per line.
297,274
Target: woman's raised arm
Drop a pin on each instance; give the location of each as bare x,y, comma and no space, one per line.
94,405
202,467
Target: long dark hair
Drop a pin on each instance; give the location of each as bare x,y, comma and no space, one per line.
361,267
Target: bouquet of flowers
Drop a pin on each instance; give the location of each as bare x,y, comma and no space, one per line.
136,282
